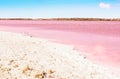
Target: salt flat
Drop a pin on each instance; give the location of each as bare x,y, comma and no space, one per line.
25,57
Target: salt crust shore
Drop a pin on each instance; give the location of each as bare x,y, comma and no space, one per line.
25,57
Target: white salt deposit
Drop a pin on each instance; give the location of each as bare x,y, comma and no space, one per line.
24,57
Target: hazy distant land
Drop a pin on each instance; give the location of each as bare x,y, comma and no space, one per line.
71,19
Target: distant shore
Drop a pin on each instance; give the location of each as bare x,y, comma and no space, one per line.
64,19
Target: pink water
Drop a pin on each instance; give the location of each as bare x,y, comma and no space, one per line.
98,40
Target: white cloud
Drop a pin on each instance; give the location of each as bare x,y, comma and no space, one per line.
104,5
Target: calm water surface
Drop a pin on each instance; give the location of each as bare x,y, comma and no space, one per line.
98,40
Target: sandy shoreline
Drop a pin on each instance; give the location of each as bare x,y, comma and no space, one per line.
25,57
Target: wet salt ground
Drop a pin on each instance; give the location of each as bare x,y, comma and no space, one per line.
98,40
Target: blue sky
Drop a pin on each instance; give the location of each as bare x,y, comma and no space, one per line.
59,8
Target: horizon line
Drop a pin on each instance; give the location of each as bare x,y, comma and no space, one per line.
73,19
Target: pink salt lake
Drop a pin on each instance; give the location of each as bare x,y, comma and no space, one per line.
97,40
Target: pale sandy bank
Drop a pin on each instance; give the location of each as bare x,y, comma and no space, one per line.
25,57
